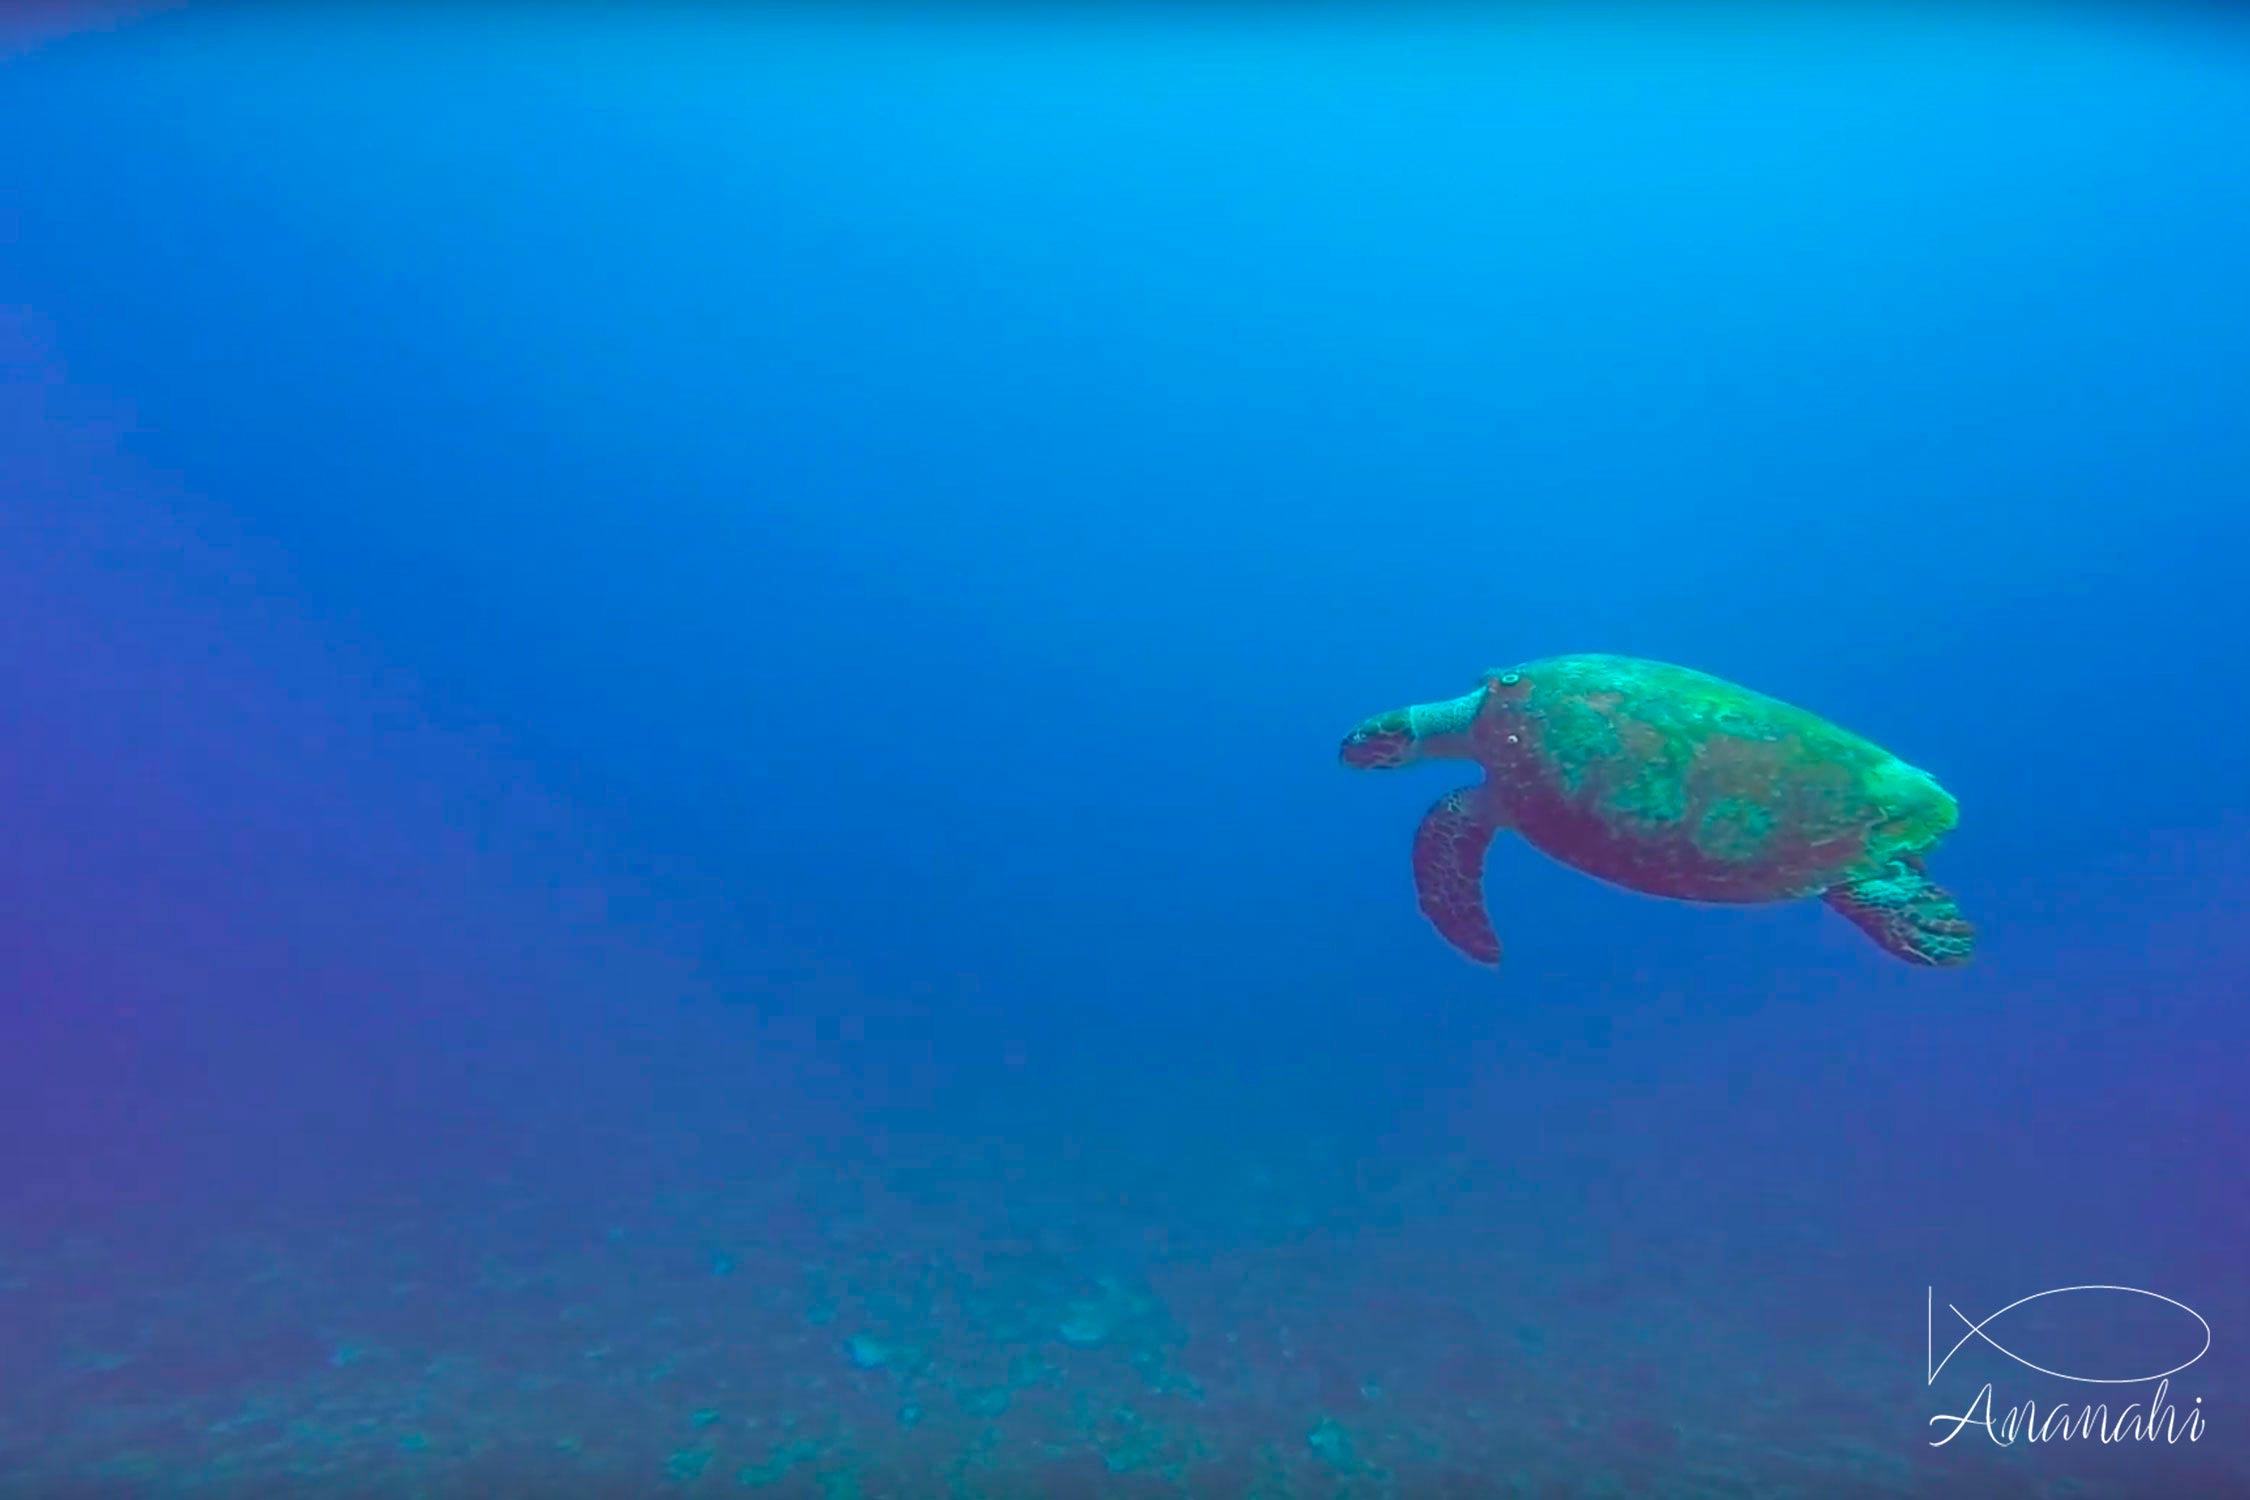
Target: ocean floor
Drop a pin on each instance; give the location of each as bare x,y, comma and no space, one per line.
901,1324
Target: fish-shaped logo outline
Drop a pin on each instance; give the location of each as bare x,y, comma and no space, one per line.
1977,1331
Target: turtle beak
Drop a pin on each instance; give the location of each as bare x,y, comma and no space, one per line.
1380,743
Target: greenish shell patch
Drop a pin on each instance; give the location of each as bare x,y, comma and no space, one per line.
1917,812
1656,795
1734,829
1730,720
1576,736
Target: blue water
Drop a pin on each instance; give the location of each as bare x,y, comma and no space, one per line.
669,689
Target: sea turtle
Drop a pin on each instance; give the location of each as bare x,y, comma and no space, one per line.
1669,781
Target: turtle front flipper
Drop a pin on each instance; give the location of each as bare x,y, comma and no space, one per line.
1909,915
1449,851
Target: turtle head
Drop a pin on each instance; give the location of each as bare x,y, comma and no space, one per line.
1427,731
1383,742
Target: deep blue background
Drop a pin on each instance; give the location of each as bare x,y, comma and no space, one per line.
582,594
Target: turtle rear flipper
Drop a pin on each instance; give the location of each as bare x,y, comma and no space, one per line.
1449,851
1909,915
